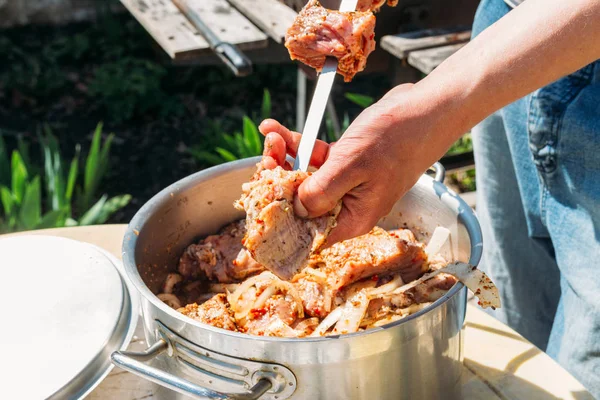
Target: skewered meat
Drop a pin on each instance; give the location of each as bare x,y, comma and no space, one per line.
318,33
378,252
214,312
220,257
374,5
278,239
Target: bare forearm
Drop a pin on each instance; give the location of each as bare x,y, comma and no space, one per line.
535,44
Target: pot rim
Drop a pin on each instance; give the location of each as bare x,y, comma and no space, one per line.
465,214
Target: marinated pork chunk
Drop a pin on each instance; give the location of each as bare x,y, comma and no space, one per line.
276,238
215,312
264,305
220,257
318,33
374,5
378,252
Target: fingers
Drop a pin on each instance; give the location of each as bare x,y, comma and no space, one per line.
359,214
292,141
321,191
348,227
274,148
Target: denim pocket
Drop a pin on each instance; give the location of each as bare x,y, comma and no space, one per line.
547,108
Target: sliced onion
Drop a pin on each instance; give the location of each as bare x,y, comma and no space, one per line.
413,308
473,278
388,287
170,299
265,276
439,238
328,322
387,320
327,299
356,287
314,272
172,280
223,287
307,324
279,328
264,296
354,311
244,304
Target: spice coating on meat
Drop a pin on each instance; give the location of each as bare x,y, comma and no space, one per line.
215,312
220,257
377,252
374,5
276,238
318,33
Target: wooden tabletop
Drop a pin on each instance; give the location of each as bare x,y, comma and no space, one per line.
499,363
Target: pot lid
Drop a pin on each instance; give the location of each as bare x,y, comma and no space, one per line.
66,306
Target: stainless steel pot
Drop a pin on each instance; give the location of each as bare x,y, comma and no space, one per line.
418,357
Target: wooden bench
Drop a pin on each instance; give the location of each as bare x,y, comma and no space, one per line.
248,24
426,49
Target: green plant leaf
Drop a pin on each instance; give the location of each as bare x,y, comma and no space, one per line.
19,177
252,137
71,222
72,178
229,141
23,148
4,163
105,156
227,155
7,200
206,157
92,214
52,219
359,99
92,167
266,105
30,211
110,207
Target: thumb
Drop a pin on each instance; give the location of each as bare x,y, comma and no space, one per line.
321,191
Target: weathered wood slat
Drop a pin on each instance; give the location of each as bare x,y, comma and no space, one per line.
180,40
427,60
272,16
402,44
228,24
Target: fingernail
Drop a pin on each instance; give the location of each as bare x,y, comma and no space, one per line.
299,208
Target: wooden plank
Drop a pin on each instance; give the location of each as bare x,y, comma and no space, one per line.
228,24
169,28
402,44
179,39
272,16
427,60
511,366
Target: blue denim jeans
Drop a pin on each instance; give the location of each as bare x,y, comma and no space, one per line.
538,201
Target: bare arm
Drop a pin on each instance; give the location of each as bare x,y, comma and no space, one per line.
388,147
535,44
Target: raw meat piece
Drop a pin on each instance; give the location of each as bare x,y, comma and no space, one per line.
215,312
264,305
318,33
276,238
377,252
220,257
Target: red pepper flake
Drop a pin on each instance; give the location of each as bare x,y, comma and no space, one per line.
375,278
258,312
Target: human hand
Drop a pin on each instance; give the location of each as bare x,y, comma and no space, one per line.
377,160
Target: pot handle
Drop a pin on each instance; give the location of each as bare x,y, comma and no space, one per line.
440,172
133,362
